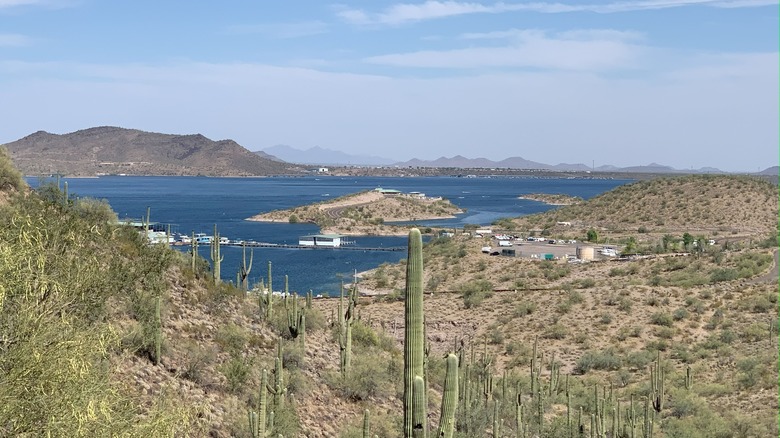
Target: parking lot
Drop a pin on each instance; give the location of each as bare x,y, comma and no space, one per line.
528,249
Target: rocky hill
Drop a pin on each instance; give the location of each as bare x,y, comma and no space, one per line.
703,204
113,150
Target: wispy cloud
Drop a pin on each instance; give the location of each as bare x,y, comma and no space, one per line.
281,30
577,50
411,12
14,40
577,34
12,3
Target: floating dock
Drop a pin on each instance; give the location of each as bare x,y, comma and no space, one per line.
285,246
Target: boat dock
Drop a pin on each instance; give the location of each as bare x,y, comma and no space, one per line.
286,246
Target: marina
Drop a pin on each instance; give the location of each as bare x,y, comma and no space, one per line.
290,246
194,204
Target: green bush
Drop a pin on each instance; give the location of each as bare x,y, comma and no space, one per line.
10,177
524,308
236,371
475,291
598,360
662,319
555,331
368,378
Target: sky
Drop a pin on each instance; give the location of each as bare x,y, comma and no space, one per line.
685,83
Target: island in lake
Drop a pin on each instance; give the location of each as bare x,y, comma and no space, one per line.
552,199
366,212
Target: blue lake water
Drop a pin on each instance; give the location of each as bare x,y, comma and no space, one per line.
197,203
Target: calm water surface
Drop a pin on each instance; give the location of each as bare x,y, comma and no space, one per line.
197,203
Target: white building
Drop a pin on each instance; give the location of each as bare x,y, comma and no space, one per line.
325,240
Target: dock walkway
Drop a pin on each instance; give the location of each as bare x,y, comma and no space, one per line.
286,246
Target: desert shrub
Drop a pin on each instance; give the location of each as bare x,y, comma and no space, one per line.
94,211
723,274
368,378
495,335
555,331
755,332
680,314
665,332
662,319
236,371
574,297
624,304
10,177
232,338
598,360
524,308
195,359
363,335
587,283
639,360
757,371
475,291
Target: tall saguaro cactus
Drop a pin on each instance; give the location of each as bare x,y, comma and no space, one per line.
415,393
266,299
216,256
413,334
244,269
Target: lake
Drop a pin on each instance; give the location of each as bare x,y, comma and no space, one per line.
197,203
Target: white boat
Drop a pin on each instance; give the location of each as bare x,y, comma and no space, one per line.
202,238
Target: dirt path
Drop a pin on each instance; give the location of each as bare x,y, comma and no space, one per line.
773,273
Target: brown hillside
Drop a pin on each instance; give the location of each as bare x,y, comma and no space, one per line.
112,150
706,204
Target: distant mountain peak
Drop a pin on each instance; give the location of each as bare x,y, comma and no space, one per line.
318,155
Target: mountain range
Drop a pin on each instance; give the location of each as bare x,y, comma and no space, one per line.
114,150
321,156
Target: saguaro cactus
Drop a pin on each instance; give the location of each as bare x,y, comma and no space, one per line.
346,320
266,299
413,335
415,393
193,251
449,400
657,377
216,256
244,269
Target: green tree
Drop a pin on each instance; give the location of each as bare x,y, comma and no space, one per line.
593,236
687,240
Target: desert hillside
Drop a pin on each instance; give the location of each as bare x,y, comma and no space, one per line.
113,150
718,205
103,334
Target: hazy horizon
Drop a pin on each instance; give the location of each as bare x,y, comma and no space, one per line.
683,83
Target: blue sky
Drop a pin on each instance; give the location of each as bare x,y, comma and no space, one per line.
687,83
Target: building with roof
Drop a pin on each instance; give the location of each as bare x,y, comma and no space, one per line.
323,240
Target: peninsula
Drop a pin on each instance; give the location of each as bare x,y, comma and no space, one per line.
366,213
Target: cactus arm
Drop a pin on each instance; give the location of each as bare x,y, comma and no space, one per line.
419,409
